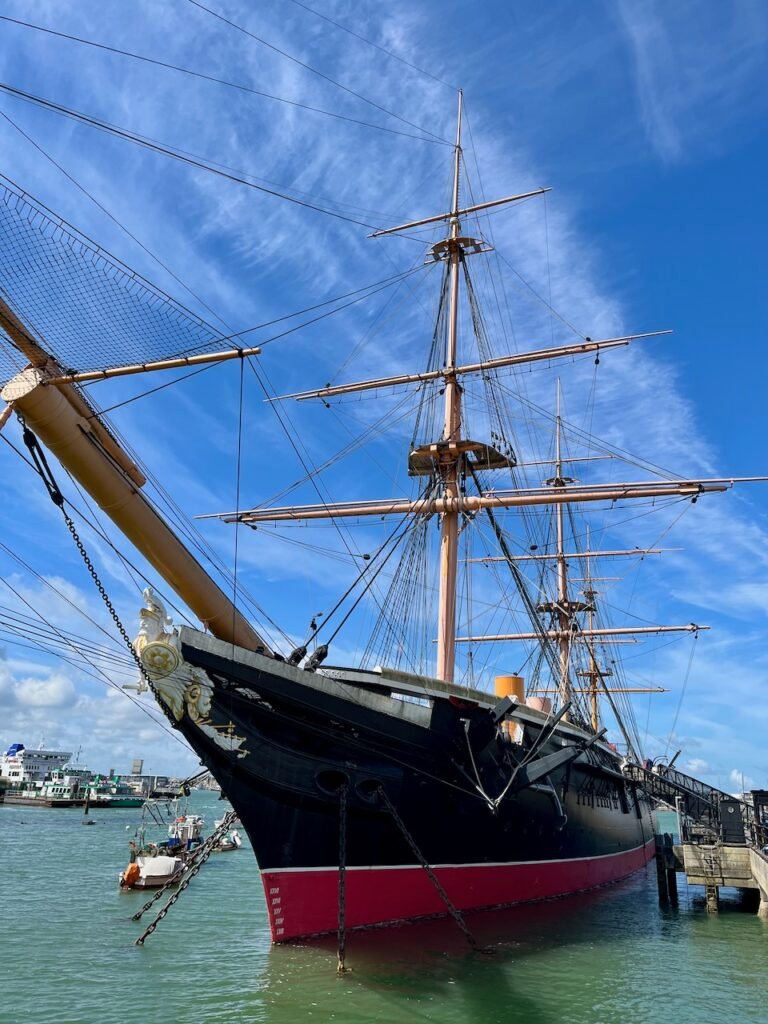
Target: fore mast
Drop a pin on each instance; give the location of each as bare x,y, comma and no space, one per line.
450,455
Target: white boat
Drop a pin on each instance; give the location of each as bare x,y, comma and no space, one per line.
152,865
229,841
151,870
185,833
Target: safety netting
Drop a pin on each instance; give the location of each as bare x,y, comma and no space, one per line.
84,307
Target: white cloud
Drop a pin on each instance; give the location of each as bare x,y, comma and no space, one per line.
55,692
742,783
693,65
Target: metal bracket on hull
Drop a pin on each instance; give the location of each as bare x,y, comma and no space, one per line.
551,792
526,775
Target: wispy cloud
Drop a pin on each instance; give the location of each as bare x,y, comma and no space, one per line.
694,65
252,257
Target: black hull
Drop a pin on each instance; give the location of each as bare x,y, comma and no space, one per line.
283,743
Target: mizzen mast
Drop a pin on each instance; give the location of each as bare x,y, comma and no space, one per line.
562,608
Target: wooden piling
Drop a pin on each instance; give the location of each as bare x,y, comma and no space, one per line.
666,870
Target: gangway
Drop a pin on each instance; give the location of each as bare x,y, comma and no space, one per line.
723,839
707,811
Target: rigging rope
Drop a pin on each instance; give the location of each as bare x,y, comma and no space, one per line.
394,539
77,648
215,80
238,466
201,163
682,694
304,458
104,209
376,46
314,71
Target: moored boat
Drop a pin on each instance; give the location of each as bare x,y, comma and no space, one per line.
152,870
112,793
228,842
152,865
499,822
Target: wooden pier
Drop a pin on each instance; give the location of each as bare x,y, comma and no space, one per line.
711,865
728,848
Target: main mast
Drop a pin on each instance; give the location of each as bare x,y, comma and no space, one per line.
449,455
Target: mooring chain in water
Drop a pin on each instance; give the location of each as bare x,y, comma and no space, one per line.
155,897
44,470
206,851
174,881
341,966
452,910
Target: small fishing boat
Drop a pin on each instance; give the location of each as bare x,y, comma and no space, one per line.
229,841
184,833
151,869
152,865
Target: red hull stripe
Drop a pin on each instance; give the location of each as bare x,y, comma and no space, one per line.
304,902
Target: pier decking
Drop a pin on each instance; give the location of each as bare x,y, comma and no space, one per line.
723,840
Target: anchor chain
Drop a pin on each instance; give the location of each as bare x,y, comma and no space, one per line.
205,851
341,967
169,884
44,470
452,910
155,897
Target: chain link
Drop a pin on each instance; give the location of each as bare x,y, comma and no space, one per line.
115,617
44,470
168,885
452,910
341,967
205,851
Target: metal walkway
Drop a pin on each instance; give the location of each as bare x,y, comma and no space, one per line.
702,804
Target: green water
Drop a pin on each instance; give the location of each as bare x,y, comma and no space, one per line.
610,957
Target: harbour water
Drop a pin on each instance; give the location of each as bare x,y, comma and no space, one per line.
608,957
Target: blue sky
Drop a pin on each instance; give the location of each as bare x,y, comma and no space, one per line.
645,118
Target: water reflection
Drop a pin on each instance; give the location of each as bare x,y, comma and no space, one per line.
608,957
594,958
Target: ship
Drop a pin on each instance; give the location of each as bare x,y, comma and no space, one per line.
40,778
372,794
45,778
